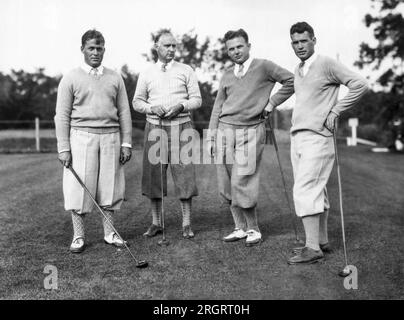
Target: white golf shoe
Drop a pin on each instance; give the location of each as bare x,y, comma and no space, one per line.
77,245
236,235
114,240
253,237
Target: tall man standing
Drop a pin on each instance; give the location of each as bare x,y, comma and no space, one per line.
167,92
94,135
237,115
317,82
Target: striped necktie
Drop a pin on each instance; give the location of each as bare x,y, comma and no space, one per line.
301,68
94,72
240,71
164,67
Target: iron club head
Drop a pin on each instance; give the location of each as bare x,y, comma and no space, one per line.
163,242
345,272
142,264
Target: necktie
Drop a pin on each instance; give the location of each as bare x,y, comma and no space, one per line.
301,69
164,67
240,71
94,72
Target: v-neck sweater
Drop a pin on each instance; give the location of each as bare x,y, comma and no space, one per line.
317,94
242,101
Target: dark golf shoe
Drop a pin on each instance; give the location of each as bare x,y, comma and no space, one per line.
326,248
306,256
187,232
153,231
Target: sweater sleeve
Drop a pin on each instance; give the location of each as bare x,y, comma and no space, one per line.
217,110
125,119
284,77
140,103
194,95
64,106
339,74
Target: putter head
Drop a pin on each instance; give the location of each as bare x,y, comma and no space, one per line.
142,264
163,242
345,272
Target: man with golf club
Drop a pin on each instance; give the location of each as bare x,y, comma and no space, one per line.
313,149
94,135
167,92
237,125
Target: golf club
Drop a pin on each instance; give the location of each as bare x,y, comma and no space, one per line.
139,263
292,216
346,271
164,241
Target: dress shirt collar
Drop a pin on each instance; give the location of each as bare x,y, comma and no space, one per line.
246,65
309,62
87,68
168,66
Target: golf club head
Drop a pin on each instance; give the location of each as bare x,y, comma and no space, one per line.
163,242
142,264
345,272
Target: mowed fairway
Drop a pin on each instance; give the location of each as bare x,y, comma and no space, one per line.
35,232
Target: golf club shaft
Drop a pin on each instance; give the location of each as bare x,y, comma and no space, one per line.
283,178
100,210
340,190
162,180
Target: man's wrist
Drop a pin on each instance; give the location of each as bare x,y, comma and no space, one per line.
126,145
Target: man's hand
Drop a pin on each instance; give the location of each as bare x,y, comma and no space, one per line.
268,109
174,111
330,121
126,154
211,147
65,158
158,110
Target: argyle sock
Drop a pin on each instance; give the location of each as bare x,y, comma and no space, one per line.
78,225
186,212
323,227
238,216
156,211
107,224
250,215
312,229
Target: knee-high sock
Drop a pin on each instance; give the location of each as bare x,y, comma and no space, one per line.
107,224
186,206
250,215
156,211
323,239
312,229
238,216
78,225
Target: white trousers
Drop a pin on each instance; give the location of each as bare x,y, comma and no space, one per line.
96,161
312,158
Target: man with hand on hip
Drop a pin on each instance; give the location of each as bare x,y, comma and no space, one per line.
166,92
94,136
237,125
317,82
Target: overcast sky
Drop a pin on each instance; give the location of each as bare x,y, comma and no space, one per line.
47,33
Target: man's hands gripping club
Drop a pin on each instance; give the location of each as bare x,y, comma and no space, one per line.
161,112
330,121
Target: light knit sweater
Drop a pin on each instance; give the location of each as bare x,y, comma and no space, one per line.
177,85
95,104
317,94
242,101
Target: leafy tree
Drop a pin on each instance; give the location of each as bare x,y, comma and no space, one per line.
387,56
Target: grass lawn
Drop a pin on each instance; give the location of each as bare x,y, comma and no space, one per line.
35,231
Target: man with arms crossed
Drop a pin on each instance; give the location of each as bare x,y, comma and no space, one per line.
94,135
167,92
244,92
317,82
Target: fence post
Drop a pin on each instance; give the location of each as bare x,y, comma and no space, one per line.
37,138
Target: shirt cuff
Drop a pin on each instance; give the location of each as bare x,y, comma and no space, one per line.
64,150
127,145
